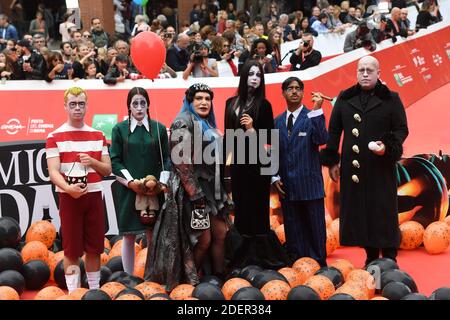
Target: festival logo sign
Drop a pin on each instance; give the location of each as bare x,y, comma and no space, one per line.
39,126
12,126
437,59
105,123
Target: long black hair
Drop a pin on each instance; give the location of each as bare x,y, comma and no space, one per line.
259,94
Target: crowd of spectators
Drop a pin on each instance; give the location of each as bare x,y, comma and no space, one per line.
214,42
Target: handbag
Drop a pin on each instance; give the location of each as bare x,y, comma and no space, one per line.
200,219
77,177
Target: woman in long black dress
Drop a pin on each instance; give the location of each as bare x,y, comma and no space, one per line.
183,240
251,112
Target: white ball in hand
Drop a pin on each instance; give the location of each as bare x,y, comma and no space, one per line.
374,146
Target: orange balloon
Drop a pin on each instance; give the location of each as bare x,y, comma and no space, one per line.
335,228
53,261
182,291
436,238
379,298
447,219
328,219
292,276
78,293
362,279
66,297
332,241
139,264
35,250
306,267
276,290
8,293
356,292
332,190
49,293
344,266
148,289
116,250
274,223
112,289
128,297
412,235
107,244
104,258
280,233
43,231
233,285
322,285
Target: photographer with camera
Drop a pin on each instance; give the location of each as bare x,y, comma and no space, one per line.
200,65
360,38
260,51
305,56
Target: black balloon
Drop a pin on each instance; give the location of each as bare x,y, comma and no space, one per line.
116,276
130,291
114,239
59,274
115,264
212,279
105,274
341,296
400,276
207,291
9,233
142,237
384,264
441,294
10,259
125,279
248,293
333,274
57,246
249,272
235,273
36,274
395,290
13,279
95,294
20,246
161,295
414,296
303,293
265,276
59,234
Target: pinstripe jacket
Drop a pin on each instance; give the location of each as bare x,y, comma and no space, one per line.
300,169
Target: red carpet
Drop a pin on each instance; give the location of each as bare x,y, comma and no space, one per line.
429,271
429,124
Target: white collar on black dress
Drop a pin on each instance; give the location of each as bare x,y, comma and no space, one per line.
134,123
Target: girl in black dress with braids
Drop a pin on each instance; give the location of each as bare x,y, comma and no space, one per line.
139,147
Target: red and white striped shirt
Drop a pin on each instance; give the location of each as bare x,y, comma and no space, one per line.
67,142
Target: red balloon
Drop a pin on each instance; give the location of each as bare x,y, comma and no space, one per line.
148,53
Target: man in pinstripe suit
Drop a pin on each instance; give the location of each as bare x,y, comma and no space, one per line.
300,183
